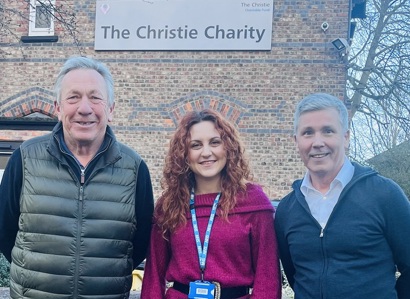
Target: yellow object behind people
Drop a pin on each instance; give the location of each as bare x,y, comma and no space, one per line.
137,276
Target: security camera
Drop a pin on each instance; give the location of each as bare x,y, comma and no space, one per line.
324,26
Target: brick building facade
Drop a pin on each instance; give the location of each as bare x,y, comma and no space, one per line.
257,90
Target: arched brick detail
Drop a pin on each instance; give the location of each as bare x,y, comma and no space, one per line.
28,102
229,107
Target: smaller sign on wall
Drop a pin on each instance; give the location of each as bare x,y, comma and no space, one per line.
183,25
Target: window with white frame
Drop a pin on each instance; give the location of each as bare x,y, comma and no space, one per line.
41,21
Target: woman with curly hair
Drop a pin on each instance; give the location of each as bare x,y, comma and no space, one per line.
213,233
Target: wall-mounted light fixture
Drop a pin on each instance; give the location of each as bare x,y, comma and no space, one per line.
341,45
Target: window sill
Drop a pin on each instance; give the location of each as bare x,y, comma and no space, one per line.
39,39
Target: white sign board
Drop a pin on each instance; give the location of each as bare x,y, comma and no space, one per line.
183,25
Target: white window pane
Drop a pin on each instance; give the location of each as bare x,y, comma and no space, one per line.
43,18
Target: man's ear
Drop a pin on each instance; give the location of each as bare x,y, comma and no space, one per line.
347,140
295,140
111,113
58,110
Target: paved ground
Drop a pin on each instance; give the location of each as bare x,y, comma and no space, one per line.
4,294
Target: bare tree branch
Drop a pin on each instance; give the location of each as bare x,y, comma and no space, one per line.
378,78
14,13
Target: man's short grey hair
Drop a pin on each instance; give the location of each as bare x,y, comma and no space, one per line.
80,62
321,101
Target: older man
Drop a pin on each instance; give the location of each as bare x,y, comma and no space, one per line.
76,204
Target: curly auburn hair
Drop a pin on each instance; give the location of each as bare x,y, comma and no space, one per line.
178,179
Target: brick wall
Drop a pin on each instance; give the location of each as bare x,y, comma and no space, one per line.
257,90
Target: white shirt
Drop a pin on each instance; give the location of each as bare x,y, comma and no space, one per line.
321,205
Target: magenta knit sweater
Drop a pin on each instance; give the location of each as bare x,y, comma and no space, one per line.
242,252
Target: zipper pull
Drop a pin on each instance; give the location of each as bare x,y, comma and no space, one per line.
82,180
321,233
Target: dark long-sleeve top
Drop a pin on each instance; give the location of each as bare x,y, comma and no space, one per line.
356,255
11,187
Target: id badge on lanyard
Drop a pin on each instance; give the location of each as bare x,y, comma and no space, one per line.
201,289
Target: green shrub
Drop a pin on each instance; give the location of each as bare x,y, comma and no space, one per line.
4,272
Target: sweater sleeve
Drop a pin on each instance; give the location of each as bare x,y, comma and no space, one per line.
397,219
153,284
144,205
267,280
10,190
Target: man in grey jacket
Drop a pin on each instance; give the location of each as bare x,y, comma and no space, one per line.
344,230
76,204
